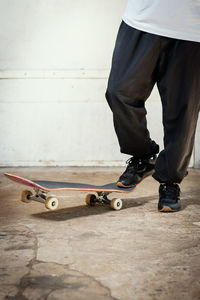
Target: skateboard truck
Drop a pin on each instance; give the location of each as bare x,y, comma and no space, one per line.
39,196
115,203
50,202
102,197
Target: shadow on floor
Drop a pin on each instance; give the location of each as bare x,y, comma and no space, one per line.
187,199
84,211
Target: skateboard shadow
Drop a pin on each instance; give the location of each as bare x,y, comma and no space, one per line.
81,211
64,214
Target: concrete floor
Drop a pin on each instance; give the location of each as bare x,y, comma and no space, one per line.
80,252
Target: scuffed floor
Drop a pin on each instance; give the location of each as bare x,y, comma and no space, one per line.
79,252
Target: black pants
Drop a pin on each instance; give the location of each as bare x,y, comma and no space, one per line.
140,60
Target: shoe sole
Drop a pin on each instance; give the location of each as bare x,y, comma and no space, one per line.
119,184
167,209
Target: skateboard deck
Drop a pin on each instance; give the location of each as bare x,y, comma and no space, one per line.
42,187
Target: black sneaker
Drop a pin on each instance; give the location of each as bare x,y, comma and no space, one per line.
136,170
169,197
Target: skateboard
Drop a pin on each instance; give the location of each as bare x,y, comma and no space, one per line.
42,188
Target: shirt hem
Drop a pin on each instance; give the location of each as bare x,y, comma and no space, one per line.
162,31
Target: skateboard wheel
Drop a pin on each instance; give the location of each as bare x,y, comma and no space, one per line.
25,196
90,199
116,204
51,203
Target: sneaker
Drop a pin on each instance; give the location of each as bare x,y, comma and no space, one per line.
169,197
137,169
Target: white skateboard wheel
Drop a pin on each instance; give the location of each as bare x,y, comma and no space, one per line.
51,203
25,194
116,204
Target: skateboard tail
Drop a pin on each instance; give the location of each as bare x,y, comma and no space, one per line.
24,181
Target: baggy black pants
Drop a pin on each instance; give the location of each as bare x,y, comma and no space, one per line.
139,61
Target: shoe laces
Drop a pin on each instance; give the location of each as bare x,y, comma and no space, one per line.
133,166
134,162
171,191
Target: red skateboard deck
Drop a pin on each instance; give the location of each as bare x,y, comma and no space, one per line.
42,187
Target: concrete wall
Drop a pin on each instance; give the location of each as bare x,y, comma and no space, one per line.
55,58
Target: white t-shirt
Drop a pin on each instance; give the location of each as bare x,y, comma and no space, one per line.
178,19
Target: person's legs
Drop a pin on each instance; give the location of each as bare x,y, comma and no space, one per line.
130,83
140,59
179,87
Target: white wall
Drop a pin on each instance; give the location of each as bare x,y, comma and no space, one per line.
55,58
